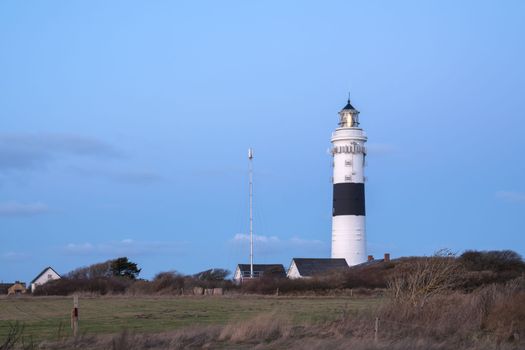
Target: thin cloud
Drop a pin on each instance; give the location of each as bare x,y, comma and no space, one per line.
13,256
14,209
124,247
28,151
511,196
22,152
381,149
241,238
305,242
269,245
135,177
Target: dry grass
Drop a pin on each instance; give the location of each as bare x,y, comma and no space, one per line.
428,329
262,328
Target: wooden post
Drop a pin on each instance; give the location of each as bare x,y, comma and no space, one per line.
376,329
74,316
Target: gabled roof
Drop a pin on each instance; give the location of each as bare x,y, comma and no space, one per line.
275,270
308,267
41,273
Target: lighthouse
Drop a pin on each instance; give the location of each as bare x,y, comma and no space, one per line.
348,210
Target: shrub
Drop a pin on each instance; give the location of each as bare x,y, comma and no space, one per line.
493,260
373,276
417,280
458,318
212,275
168,281
100,285
120,267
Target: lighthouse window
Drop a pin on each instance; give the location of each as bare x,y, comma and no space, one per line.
348,178
348,162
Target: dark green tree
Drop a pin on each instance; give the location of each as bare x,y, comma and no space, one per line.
212,275
122,267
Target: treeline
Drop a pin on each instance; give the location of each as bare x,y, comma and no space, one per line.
120,276
470,270
467,272
120,267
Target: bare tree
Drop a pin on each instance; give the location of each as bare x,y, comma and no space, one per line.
416,280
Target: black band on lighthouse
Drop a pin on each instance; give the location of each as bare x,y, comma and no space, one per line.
349,199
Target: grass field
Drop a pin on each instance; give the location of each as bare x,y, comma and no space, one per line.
49,317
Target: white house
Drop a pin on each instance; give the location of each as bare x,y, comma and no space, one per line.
48,274
259,270
309,267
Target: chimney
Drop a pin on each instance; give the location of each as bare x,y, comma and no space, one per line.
387,257
370,258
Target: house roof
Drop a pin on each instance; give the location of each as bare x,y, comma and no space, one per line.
367,264
276,270
41,273
308,267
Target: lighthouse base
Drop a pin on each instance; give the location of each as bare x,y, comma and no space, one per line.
348,238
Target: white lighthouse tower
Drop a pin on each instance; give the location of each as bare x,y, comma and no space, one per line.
348,211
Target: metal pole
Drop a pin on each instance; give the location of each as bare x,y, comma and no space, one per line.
376,329
250,157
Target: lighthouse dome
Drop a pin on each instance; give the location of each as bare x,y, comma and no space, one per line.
348,107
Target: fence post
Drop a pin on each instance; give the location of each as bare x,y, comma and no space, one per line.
74,315
376,329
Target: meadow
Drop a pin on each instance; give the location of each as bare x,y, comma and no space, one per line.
48,318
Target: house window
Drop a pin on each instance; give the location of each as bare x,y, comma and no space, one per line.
49,276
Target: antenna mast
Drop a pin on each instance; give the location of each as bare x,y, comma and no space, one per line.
250,158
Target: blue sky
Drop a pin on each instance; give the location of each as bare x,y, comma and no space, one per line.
124,127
